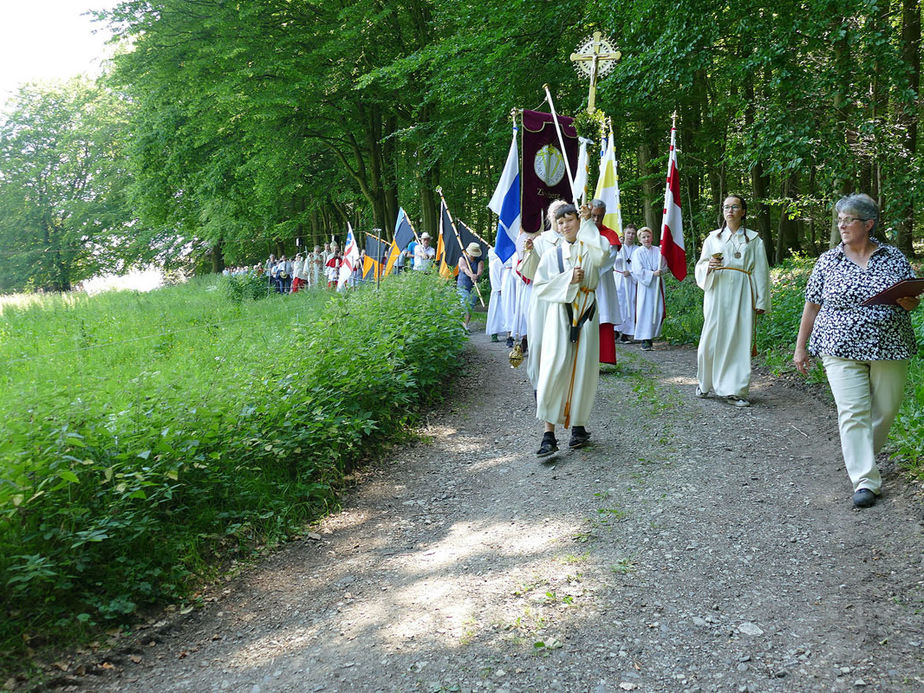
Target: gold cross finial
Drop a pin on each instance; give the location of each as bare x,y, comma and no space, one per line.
595,57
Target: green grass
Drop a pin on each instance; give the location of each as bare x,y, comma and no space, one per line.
776,338
147,436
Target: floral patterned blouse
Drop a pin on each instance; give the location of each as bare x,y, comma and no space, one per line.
848,330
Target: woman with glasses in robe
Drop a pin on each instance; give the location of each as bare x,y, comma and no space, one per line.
734,274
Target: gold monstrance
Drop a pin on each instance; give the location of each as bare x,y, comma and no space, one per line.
595,58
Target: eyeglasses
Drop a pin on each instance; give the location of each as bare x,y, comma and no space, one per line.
731,208
847,221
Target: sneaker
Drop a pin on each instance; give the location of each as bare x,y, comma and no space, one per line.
494,338
548,446
625,338
864,498
700,393
646,345
579,437
738,401
509,342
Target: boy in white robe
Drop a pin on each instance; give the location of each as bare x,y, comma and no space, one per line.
626,284
647,268
735,276
564,301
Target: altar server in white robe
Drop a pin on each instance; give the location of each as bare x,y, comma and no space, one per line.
735,276
495,322
626,284
564,296
647,268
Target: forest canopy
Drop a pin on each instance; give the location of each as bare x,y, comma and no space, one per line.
237,127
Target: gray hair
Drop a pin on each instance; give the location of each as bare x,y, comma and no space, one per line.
594,203
862,205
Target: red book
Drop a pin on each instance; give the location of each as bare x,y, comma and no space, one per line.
906,287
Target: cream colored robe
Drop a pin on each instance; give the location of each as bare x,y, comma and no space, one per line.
558,357
723,359
528,268
625,288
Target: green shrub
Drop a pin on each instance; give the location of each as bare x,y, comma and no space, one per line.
249,286
146,433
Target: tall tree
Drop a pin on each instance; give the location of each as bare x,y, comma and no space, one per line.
64,213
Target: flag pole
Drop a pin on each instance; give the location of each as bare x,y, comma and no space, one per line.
561,142
455,231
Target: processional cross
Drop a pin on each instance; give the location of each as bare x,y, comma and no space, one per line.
595,57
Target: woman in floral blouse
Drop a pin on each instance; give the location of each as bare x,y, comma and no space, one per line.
865,349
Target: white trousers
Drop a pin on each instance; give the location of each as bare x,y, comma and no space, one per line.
868,395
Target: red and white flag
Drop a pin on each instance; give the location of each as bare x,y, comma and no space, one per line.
672,249
350,258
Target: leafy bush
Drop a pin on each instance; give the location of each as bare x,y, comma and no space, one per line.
144,433
683,321
248,286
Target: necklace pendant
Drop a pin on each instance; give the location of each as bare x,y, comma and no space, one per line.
737,254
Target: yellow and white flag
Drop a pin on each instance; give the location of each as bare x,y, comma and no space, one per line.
608,187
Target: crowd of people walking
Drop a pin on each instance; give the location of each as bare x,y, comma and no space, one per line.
319,267
569,292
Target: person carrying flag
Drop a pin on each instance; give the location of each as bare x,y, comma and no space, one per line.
471,267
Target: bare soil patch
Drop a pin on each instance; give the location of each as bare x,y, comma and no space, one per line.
693,547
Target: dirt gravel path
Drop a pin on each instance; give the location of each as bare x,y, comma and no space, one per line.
693,547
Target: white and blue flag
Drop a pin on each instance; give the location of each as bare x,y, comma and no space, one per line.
505,203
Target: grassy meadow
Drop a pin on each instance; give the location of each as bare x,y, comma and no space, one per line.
776,340
145,436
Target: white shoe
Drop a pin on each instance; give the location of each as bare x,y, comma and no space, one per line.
738,401
700,393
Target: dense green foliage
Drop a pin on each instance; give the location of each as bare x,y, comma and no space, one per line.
246,125
64,209
144,433
776,340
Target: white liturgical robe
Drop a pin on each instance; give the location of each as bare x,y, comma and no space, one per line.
732,294
607,298
559,358
649,299
495,322
528,267
625,288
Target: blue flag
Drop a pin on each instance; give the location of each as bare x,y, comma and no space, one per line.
505,203
404,234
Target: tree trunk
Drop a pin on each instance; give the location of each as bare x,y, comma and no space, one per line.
429,202
911,41
760,181
842,108
217,258
788,236
649,189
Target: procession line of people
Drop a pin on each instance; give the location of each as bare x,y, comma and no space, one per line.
317,268
574,287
